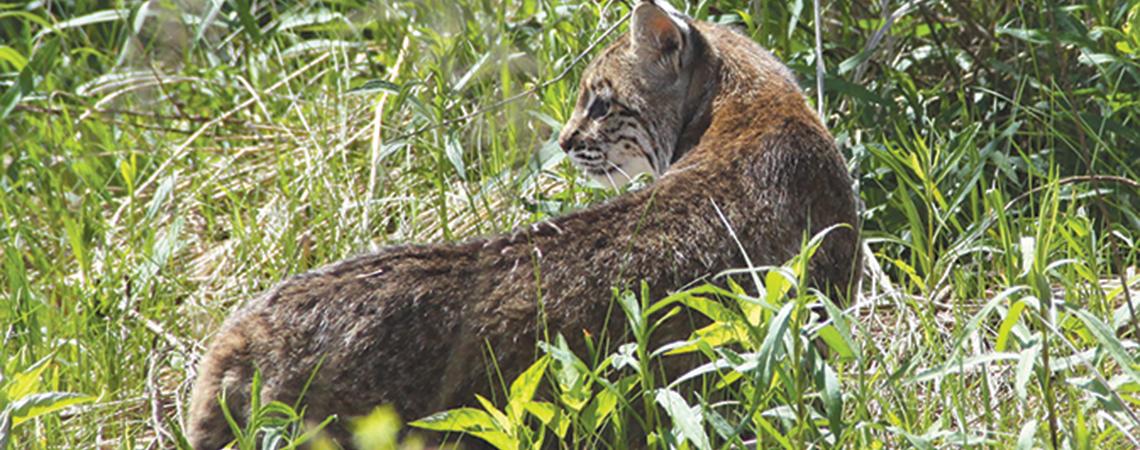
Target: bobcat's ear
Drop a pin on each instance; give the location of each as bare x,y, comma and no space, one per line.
657,31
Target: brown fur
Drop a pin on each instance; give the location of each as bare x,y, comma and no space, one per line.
408,325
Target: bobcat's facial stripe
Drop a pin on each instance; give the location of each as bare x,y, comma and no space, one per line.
612,138
615,138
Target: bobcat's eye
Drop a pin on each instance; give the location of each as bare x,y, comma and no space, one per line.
598,108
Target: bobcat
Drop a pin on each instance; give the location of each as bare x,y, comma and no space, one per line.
744,168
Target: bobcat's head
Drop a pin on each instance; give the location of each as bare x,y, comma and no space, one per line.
635,98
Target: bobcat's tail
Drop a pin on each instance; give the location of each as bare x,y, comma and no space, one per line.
225,373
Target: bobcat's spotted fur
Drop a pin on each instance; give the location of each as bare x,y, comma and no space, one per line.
716,117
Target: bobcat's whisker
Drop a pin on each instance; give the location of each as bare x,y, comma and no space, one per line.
618,169
609,176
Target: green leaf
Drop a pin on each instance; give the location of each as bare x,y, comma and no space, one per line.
248,21
502,422
855,91
13,57
208,20
319,45
5,427
1110,343
569,373
463,420
162,195
709,308
827,382
687,419
544,411
796,8
140,15
836,342
109,15
603,404
1033,36
837,335
1025,364
772,432
958,365
43,59
772,347
777,283
1007,324
981,315
378,430
293,20
1028,247
35,405
714,335
472,421
632,310
854,61
1103,394
550,416
920,442
498,439
1132,24
454,152
523,388
375,86
27,382
474,70
1025,437
626,356
74,231
23,16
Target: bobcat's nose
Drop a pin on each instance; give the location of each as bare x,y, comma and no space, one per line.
567,139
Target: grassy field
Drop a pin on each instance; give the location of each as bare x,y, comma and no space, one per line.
161,162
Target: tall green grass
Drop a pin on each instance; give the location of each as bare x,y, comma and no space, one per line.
164,161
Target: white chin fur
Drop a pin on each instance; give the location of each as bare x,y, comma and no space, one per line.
630,169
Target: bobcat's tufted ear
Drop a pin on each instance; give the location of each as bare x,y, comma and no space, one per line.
657,30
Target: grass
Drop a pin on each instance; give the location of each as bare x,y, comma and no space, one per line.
164,161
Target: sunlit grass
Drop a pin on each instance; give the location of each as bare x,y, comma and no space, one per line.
162,162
